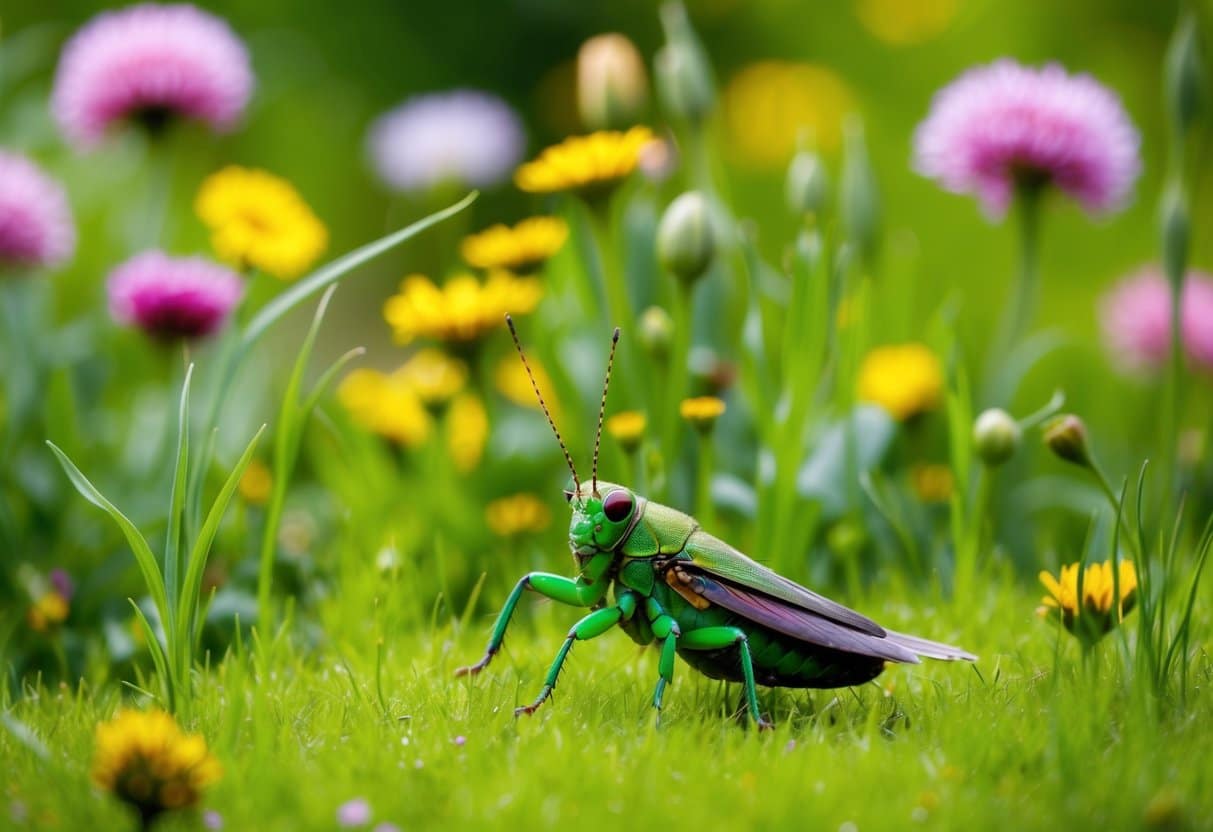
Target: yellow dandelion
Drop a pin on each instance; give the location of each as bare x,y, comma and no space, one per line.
434,376
512,381
904,379
256,483
48,611
467,431
932,482
146,760
702,412
258,219
463,309
904,24
599,160
769,105
385,405
521,249
1094,617
627,428
517,514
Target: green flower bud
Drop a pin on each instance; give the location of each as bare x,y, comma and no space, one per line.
1066,436
1183,77
808,184
1175,229
685,240
860,199
996,436
612,88
656,332
684,75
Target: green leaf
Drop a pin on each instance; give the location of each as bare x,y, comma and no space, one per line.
822,476
176,510
143,553
158,658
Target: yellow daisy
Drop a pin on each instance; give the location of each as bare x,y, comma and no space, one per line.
583,162
770,105
904,379
517,514
702,412
521,249
434,376
467,431
513,383
463,309
260,220
627,428
1093,617
48,611
386,405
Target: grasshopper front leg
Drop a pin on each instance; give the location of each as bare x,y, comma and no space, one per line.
592,626
574,592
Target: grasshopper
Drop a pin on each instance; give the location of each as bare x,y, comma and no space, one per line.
652,571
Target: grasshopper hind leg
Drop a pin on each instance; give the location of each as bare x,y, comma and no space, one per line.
717,638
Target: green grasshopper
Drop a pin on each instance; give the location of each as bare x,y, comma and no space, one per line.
673,585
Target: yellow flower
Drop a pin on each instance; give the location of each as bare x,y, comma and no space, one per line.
702,412
904,379
627,428
146,760
932,483
386,405
462,310
258,219
598,160
517,514
770,104
256,483
467,431
904,24
1094,617
521,249
511,379
434,376
49,610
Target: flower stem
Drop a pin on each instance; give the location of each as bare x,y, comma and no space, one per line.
1021,309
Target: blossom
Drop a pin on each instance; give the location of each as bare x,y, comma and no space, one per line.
49,610
386,405
904,379
147,64
1135,316
467,431
1100,609
517,514
521,249
627,428
352,813
461,310
258,219
36,227
702,412
433,375
172,297
905,24
146,760
599,160
256,483
1005,125
513,382
466,136
769,105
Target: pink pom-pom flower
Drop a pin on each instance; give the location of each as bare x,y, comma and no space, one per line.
149,63
1005,125
1135,316
36,228
173,297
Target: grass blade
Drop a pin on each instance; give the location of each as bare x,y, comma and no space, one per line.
176,510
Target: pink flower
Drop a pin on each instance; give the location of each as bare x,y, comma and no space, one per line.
1004,124
353,813
36,226
173,297
146,63
1136,319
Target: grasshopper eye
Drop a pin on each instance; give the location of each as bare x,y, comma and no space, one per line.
617,506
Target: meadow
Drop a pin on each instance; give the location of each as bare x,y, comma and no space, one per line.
904,301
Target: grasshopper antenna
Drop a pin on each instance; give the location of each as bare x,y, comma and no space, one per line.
602,409
543,405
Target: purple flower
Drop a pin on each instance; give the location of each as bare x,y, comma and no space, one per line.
1004,124
356,812
36,226
173,297
386,826
465,136
212,819
146,63
1135,316
62,583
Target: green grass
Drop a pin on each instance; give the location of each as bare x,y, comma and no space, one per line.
1037,739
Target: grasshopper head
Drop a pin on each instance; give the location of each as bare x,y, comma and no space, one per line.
601,521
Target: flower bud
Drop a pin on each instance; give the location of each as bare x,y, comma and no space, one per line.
685,241
1183,78
1175,228
1066,436
808,184
859,197
656,332
684,76
612,88
996,436
702,412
